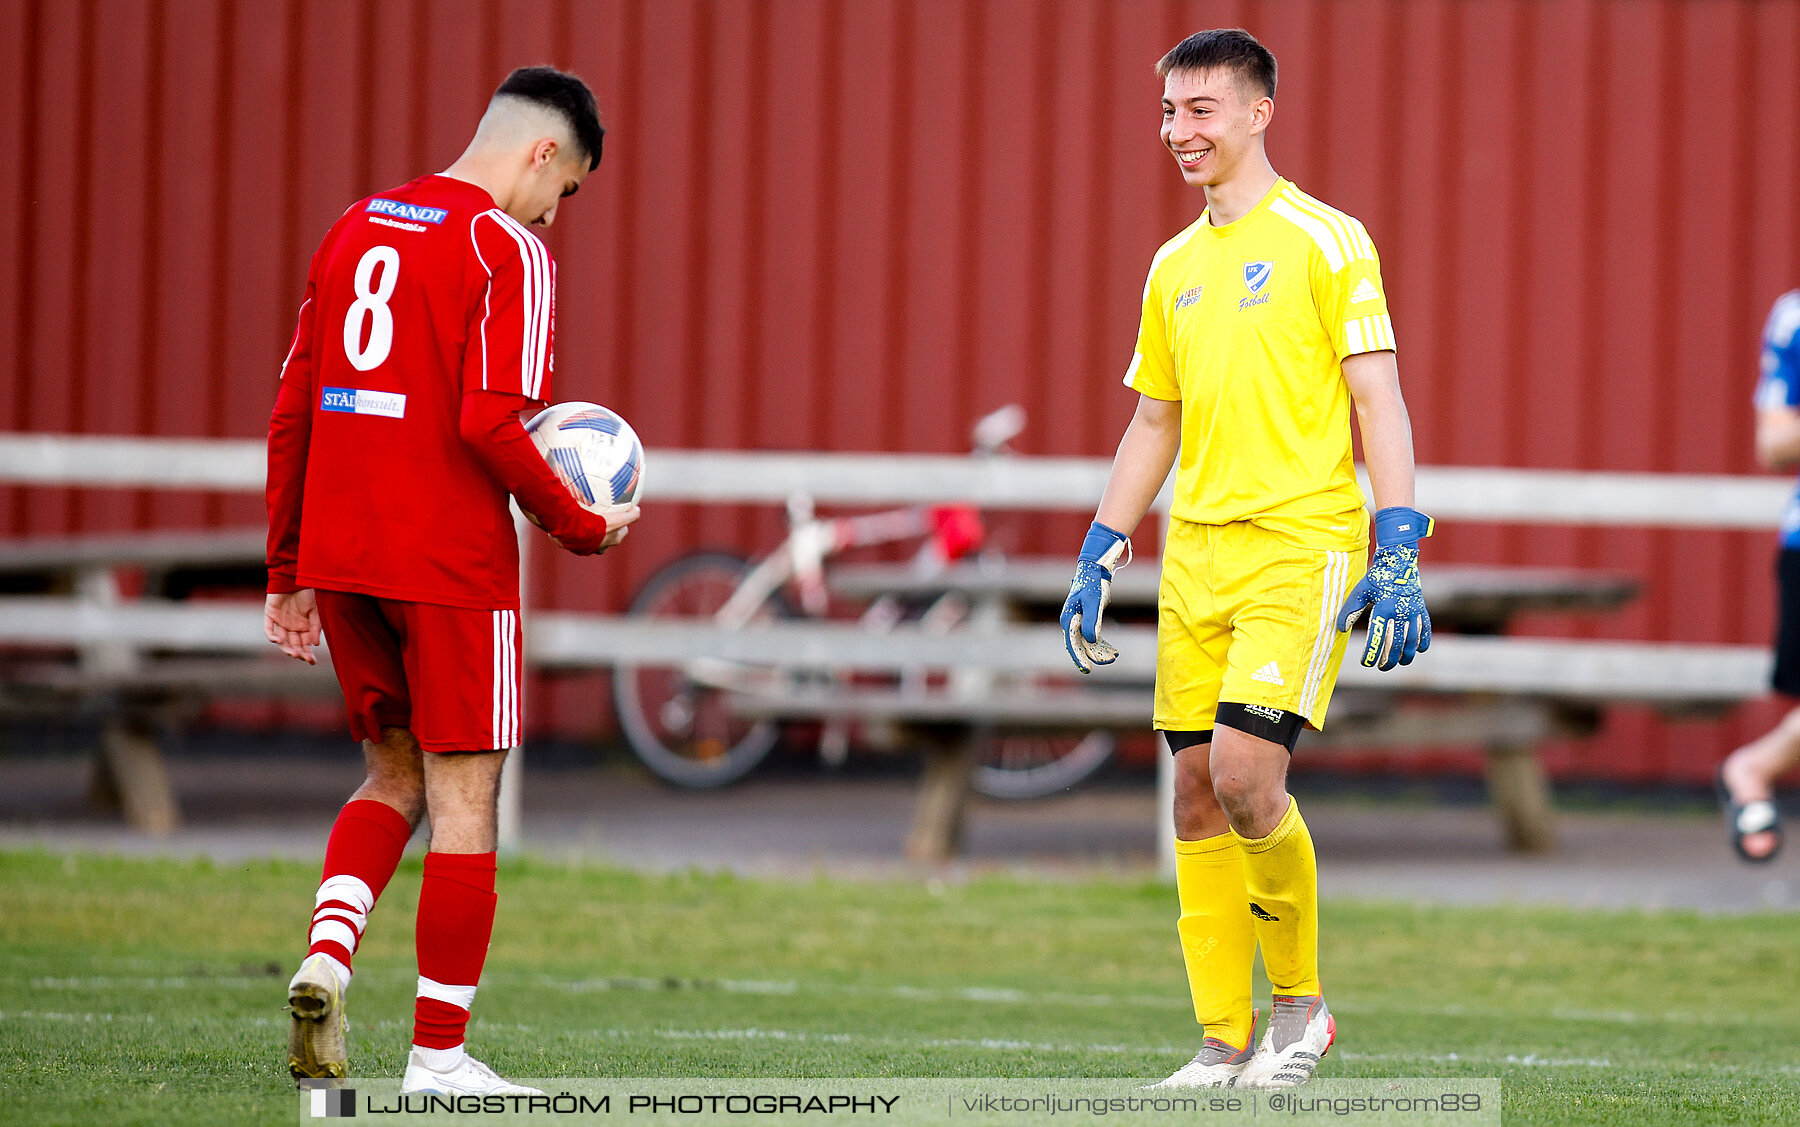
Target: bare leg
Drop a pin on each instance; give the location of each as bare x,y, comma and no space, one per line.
1197,812
463,791
1249,781
1750,772
395,776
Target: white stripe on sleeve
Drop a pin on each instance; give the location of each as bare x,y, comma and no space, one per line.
534,341
1322,236
295,347
487,298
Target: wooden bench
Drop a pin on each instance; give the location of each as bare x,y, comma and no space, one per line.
1504,694
1534,497
140,666
1464,599
156,551
950,725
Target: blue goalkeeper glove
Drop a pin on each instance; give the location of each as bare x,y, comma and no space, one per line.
1089,593
1399,624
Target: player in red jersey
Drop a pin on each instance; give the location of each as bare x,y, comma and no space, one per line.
394,444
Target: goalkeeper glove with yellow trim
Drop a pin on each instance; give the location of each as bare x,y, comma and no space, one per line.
1399,624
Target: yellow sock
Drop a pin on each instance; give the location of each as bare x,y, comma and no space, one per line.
1281,875
1217,942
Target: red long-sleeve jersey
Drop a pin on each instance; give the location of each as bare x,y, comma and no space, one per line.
425,330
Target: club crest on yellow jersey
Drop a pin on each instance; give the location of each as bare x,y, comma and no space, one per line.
1256,280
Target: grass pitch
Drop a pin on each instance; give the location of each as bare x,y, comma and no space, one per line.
152,991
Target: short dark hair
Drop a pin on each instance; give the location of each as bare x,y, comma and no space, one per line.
566,95
1230,47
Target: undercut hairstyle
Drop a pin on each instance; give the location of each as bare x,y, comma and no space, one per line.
565,95
1232,48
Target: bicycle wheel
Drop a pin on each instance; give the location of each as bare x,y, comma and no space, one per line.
1036,765
681,728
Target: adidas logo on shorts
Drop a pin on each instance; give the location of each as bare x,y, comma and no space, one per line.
1271,673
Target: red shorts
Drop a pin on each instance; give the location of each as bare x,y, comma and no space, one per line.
449,675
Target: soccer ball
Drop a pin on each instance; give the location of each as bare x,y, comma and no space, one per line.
595,453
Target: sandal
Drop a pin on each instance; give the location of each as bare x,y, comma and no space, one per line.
1757,816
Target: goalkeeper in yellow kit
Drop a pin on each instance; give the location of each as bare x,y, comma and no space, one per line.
1264,323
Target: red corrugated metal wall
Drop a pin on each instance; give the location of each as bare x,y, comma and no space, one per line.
858,224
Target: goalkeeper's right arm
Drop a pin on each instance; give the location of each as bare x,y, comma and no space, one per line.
1145,455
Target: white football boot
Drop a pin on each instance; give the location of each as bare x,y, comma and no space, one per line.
1300,1030
1218,1064
316,1035
467,1077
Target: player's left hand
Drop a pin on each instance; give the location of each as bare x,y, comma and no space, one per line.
1399,624
1089,592
291,621
617,518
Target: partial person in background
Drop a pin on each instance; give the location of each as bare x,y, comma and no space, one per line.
1746,779
1264,327
395,442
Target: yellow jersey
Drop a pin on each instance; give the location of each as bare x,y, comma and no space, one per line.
1247,325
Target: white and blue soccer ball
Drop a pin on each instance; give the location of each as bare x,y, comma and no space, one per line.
594,451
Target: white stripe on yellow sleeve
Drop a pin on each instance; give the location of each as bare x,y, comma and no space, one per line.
1334,220
1322,236
1384,330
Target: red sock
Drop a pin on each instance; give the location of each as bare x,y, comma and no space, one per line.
456,919
360,857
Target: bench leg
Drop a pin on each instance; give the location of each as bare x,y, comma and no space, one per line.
943,803
1521,796
131,769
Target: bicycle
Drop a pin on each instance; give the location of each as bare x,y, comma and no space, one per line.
678,719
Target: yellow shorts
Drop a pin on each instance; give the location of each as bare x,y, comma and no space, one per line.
1246,617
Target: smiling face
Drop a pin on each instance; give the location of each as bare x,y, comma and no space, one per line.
1213,121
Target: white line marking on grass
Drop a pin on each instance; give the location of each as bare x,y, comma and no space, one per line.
1605,1017
749,1035
1175,1000
164,1019
102,982
1529,1059
990,995
639,982
994,1044
31,1015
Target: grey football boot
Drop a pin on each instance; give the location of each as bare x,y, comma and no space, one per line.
1300,1031
1218,1064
